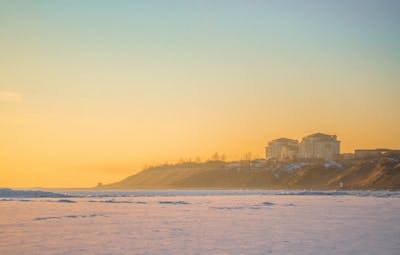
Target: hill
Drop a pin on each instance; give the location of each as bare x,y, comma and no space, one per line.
373,173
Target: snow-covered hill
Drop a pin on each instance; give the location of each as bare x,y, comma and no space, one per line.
377,173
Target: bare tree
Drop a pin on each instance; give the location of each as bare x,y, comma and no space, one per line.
248,156
223,157
215,156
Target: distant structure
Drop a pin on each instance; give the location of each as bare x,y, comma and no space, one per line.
360,154
319,146
282,149
315,146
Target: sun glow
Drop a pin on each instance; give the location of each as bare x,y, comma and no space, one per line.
93,95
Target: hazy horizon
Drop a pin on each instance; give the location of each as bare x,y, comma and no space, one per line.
92,91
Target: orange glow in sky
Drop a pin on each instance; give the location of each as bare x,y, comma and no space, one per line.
93,94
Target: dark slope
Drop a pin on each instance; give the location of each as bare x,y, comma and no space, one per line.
379,173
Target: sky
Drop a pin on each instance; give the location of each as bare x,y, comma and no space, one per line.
93,91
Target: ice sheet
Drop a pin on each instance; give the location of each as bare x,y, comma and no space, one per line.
189,223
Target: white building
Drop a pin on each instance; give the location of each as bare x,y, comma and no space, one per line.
319,146
282,149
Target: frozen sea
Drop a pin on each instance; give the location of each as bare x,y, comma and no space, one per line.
199,222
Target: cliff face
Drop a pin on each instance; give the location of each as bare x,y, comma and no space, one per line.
376,173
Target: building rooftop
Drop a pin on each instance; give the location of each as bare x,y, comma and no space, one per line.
320,135
283,139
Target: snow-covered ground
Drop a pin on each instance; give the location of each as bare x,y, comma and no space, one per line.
200,222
